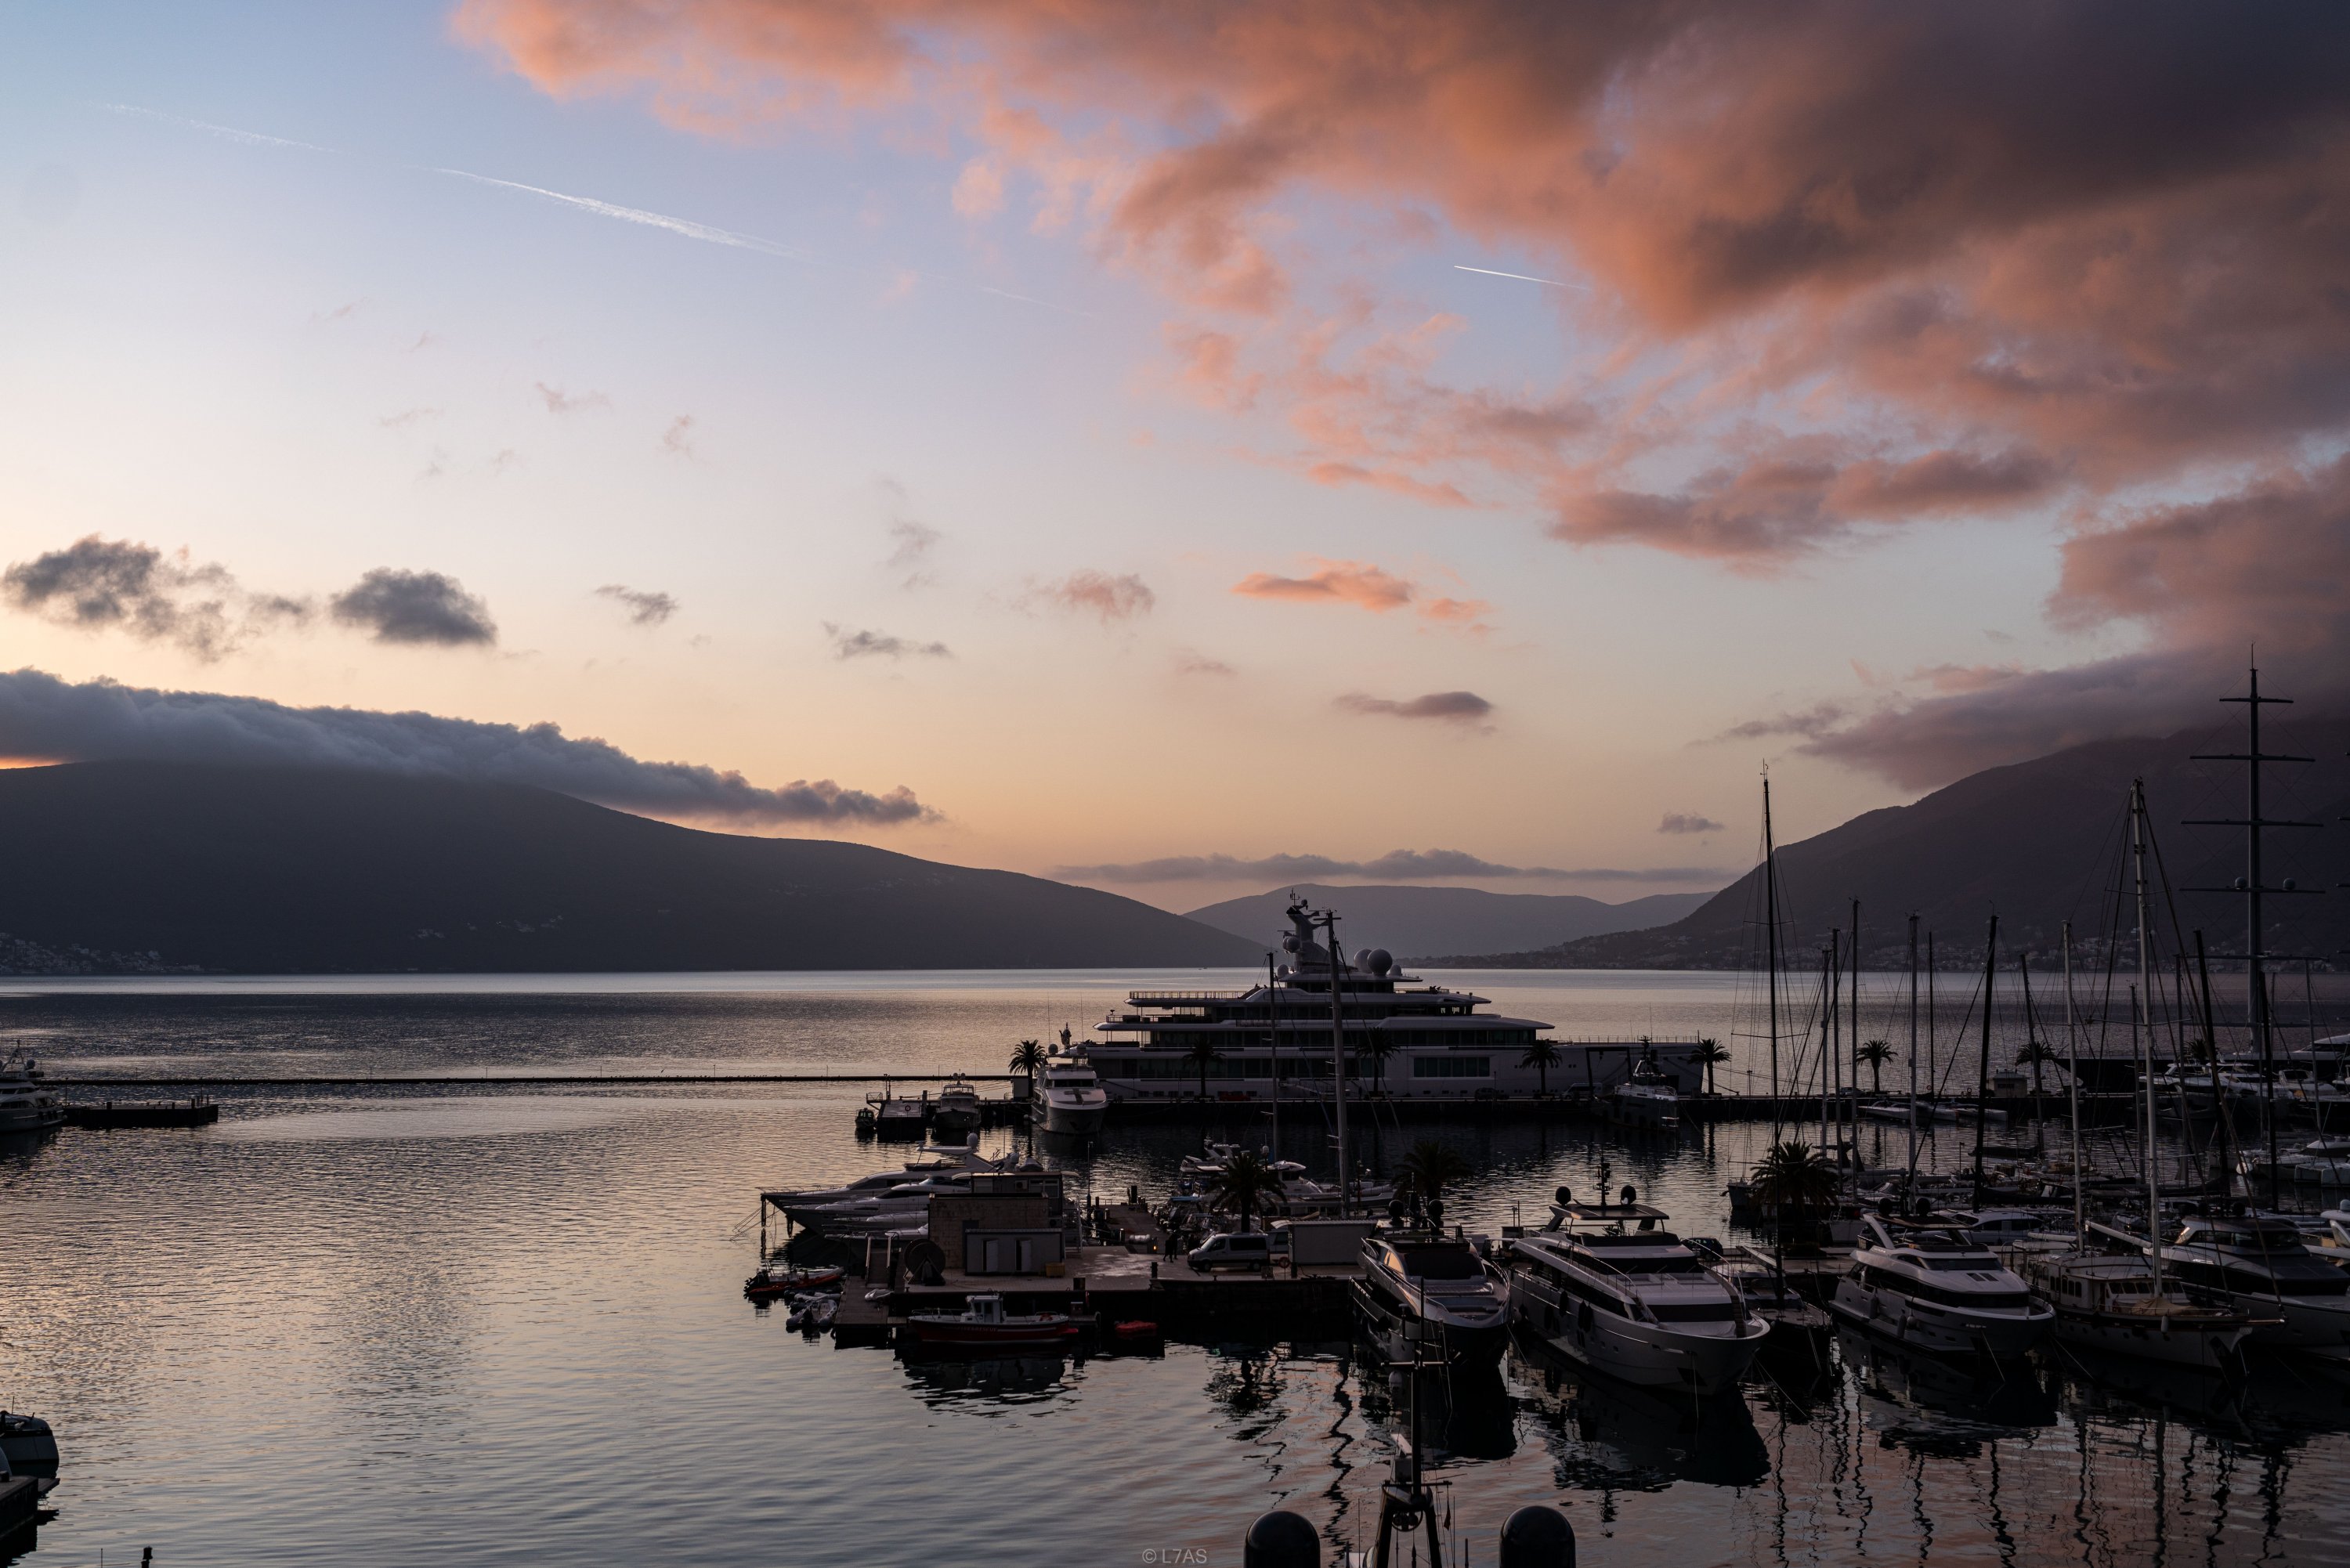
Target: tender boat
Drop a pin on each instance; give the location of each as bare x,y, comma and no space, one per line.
773,1282
2113,1302
1072,1100
1425,1296
1635,1304
984,1323
2262,1266
27,1448
25,1104
1934,1290
956,1109
1648,1098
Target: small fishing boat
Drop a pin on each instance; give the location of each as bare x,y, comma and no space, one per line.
984,1323
773,1284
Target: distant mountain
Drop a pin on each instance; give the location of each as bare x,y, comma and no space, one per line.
2037,842
158,865
1417,922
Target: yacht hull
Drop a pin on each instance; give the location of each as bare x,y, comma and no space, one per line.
1645,1356
1888,1315
2323,1324
1073,1120
2145,1339
1399,1336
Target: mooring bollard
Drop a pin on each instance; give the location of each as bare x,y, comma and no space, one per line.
1281,1540
1537,1536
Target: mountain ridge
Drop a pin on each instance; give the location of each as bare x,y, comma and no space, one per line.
163,867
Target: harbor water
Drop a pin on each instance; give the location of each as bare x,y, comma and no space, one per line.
493,1324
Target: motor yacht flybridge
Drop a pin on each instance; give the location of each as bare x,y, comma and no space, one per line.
1403,1038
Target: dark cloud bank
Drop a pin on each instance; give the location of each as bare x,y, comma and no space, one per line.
49,718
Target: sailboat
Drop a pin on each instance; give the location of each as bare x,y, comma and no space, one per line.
2120,1302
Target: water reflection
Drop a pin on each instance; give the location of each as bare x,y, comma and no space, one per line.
1610,1436
1948,1406
966,1381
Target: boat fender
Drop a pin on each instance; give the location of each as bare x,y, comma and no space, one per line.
1281,1540
1537,1536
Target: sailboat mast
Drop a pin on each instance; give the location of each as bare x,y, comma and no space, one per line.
1982,1067
2073,1073
1831,987
1771,947
1849,1068
2142,1025
1913,1061
1338,1060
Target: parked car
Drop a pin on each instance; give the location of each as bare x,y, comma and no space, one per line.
1232,1250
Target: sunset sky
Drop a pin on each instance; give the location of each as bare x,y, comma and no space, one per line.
1090,435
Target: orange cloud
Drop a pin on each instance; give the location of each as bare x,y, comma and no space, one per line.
1366,586
1853,267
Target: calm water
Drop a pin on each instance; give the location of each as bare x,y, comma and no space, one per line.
495,1325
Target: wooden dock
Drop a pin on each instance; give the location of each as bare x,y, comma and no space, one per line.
1111,1285
192,1112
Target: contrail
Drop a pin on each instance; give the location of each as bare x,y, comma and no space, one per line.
685,226
1521,277
248,138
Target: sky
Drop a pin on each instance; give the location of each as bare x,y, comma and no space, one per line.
1178,451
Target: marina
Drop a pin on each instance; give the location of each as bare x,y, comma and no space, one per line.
1262,1357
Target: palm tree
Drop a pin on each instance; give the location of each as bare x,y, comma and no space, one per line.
1246,1181
1204,1052
1875,1052
1430,1168
1028,1057
1379,1048
1542,1056
2034,1053
1794,1179
1710,1055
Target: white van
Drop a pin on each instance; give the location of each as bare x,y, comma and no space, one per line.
1232,1250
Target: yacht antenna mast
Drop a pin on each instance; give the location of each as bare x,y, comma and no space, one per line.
1338,1059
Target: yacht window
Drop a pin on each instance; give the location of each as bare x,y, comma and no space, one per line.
1986,1265
1694,1311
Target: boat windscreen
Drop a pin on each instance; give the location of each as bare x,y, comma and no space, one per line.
1439,1263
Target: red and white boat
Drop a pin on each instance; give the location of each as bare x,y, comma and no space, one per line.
983,1322
773,1284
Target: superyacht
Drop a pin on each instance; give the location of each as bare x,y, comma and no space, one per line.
1404,1038
26,1104
1070,1100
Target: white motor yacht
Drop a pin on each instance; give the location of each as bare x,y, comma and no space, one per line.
1424,1290
1635,1304
25,1104
956,1109
889,1206
1935,1290
2263,1267
1649,1098
1071,1100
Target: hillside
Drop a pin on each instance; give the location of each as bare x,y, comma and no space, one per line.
149,866
1415,922
2036,842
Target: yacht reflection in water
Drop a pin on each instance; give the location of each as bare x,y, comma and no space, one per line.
1606,1436
1465,1412
1935,1405
1009,1378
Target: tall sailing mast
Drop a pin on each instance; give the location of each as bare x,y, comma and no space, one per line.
2142,1026
2256,954
1338,1060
